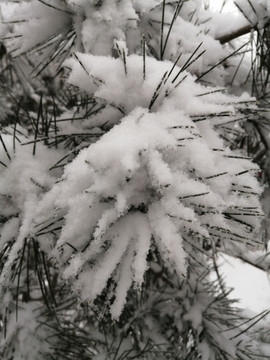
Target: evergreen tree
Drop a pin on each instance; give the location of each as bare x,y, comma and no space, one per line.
123,174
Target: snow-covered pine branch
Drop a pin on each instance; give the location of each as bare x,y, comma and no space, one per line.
117,193
161,176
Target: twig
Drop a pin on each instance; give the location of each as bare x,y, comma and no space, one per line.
223,39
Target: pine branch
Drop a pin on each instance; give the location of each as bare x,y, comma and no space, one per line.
223,39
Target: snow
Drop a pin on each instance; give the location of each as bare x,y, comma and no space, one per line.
155,169
22,184
256,12
160,177
227,7
250,284
25,331
101,27
36,30
139,168
117,21
123,284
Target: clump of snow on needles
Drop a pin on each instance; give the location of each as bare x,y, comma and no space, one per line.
143,182
160,177
22,185
97,28
31,22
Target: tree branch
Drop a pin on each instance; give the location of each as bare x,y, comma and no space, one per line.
223,39
258,260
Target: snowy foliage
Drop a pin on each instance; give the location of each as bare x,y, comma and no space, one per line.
158,177
88,27
22,340
257,13
118,188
